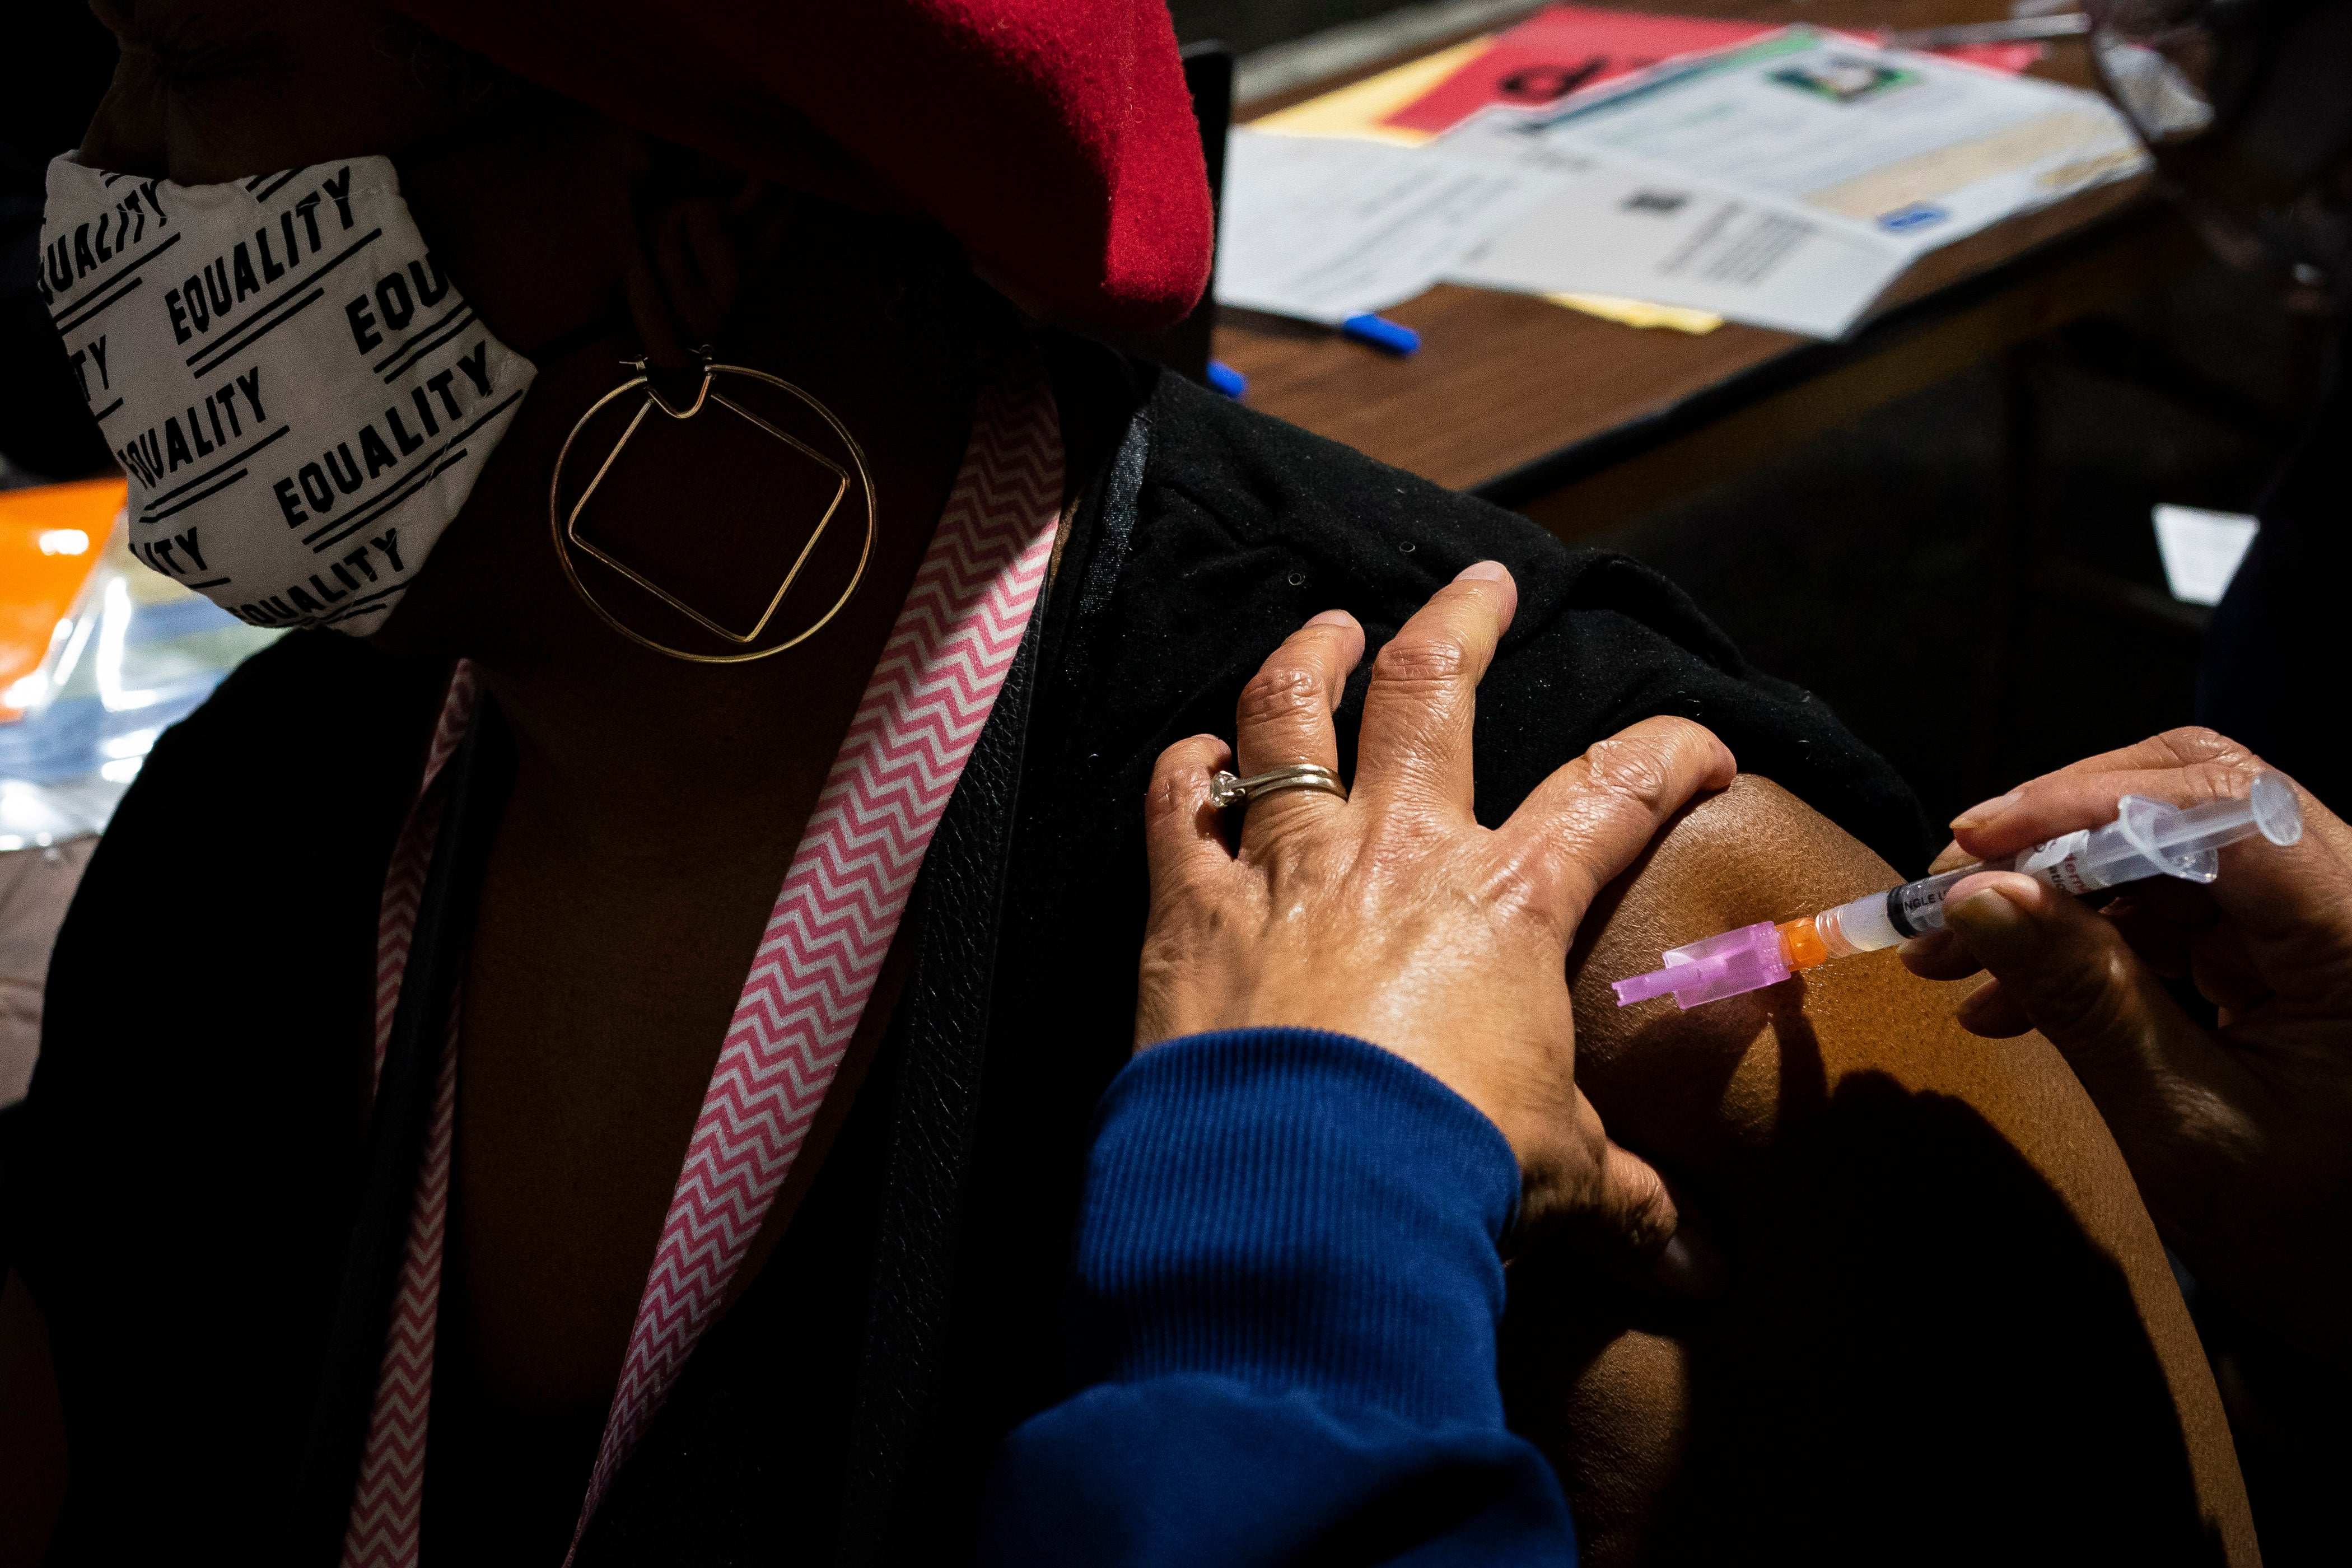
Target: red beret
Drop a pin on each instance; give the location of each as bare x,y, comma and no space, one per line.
1054,138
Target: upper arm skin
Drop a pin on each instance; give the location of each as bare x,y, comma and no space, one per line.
1952,1333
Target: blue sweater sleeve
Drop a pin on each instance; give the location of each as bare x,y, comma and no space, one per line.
1282,1324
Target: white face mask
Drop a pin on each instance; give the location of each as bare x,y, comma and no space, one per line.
301,396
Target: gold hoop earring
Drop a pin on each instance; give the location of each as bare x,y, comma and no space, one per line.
565,525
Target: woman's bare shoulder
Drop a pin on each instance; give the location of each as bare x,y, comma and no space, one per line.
1952,1332
1756,852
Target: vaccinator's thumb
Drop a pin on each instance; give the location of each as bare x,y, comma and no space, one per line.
1689,1264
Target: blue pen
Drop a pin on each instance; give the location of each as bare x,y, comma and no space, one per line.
1390,337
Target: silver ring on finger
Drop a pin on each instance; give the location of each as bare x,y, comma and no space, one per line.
1227,790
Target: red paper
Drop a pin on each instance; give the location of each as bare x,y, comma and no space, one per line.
2008,59
1566,49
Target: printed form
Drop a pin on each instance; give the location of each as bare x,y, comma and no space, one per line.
1783,183
1906,148
1613,228
1321,228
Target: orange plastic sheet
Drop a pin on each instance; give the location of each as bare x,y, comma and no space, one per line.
51,538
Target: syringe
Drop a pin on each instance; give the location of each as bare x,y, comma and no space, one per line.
2148,838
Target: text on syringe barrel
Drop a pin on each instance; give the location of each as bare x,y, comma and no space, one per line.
1882,919
1916,908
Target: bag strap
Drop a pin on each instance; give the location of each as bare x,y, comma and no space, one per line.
473,795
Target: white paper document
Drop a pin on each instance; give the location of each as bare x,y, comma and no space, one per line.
1609,228
1784,182
1321,228
1909,149
2201,549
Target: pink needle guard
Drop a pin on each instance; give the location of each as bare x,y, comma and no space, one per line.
1739,961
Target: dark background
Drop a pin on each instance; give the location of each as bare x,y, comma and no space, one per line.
1874,564
1245,24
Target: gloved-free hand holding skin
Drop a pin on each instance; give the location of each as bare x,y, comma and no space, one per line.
2240,1136
1395,917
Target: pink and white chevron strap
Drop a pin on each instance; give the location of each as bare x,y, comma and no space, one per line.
929,698
387,1506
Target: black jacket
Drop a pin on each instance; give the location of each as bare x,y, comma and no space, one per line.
179,1188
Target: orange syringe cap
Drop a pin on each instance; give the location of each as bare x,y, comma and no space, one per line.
1801,945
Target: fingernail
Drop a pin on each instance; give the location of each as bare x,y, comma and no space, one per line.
1983,812
1691,1264
1331,618
1494,572
1986,916
1928,944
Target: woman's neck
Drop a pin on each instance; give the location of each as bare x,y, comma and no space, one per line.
628,754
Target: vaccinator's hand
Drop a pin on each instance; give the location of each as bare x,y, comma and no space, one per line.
2239,1136
1393,916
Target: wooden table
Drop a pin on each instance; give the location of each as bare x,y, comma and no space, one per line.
1581,422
